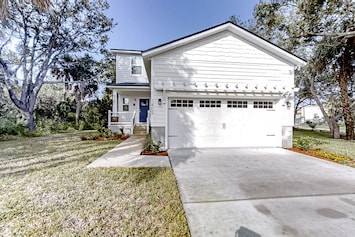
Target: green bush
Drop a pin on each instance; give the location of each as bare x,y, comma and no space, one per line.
60,127
104,132
150,145
64,110
311,124
10,126
31,133
306,143
91,116
84,125
71,117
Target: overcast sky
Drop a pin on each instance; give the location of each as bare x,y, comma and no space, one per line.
143,24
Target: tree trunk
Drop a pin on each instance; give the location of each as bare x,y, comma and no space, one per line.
344,97
332,123
335,131
78,104
31,125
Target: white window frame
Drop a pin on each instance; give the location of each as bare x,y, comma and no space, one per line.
125,104
136,62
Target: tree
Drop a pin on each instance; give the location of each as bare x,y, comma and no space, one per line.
34,40
81,77
4,6
323,31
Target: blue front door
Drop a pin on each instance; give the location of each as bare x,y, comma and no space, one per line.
143,110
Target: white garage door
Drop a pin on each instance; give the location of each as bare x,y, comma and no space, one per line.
222,123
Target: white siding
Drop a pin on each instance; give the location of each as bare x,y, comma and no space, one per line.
123,70
221,58
158,112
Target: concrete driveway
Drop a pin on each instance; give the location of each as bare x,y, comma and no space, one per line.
250,192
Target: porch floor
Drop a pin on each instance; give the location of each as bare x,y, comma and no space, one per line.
127,154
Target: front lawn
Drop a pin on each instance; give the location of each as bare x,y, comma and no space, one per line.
45,190
338,147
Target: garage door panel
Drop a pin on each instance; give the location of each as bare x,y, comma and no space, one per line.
181,129
223,127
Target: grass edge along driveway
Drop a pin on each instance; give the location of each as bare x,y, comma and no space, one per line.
45,190
338,150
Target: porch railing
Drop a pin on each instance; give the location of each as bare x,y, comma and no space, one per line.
148,121
122,119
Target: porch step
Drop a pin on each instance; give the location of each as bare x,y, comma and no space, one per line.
140,130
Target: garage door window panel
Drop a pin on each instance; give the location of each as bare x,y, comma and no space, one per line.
181,103
237,104
263,105
210,103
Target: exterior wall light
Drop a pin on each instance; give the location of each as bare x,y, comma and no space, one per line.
159,101
288,104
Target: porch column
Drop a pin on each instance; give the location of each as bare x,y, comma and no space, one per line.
119,103
114,101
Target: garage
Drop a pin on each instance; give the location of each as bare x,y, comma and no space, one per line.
211,122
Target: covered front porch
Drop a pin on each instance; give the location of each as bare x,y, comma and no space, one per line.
130,107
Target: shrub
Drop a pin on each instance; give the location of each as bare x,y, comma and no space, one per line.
84,125
64,110
104,132
10,126
60,127
31,133
116,134
306,143
71,117
311,124
150,145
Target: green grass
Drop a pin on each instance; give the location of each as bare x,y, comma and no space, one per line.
338,147
46,190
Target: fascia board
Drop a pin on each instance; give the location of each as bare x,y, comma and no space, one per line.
240,32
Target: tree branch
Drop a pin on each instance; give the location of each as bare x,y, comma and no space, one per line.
10,89
345,35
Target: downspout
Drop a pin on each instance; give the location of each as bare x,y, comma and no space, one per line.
166,102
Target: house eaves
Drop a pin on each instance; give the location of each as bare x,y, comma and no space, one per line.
130,86
244,34
126,51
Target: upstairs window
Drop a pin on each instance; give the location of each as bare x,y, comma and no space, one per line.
136,65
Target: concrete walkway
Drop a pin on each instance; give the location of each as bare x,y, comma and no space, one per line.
127,154
253,192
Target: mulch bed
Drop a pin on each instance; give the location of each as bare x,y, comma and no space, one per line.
312,152
152,153
318,153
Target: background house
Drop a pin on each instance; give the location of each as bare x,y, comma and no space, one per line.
309,113
221,87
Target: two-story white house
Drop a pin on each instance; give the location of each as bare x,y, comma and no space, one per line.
221,87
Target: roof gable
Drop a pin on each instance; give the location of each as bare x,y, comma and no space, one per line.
244,34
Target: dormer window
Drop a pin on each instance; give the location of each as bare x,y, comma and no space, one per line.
136,65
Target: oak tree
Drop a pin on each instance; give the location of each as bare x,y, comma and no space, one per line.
32,41
322,31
